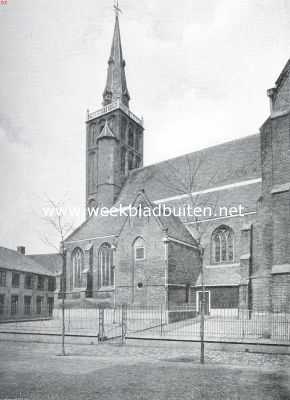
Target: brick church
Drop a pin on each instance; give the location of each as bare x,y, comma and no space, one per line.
150,260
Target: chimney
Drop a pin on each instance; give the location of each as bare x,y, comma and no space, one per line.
21,250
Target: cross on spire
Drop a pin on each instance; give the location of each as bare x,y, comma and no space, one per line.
117,8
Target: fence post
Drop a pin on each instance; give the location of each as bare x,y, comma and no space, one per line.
124,323
101,334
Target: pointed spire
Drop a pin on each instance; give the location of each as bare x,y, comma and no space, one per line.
116,86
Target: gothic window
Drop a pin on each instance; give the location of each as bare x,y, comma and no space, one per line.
93,134
78,267
131,137
222,245
106,268
123,160
92,172
139,249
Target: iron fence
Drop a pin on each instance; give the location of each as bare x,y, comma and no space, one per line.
156,322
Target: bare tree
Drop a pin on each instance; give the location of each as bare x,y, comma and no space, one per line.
61,225
183,179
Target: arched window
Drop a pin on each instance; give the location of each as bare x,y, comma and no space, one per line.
139,249
106,268
222,245
78,266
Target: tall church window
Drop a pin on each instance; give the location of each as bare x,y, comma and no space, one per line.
137,138
106,267
78,267
131,137
139,249
92,172
93,134
222,245
123,130
130,161
123,160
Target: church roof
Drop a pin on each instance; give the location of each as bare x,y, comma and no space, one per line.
229,164
224,169
12,260
116,85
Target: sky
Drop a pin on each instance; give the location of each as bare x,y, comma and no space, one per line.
197,71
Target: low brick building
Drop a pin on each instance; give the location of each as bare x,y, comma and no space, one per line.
153,260
26,287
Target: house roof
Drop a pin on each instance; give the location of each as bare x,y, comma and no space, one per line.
220,276
12,260
52,262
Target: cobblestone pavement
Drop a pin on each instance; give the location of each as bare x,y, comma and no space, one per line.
139,370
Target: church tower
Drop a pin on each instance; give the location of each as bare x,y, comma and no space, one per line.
114,134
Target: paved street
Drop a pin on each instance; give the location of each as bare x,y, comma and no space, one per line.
139,370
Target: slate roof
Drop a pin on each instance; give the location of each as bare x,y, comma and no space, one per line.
217,166
220,276
220,165
12,260
102,226
52,262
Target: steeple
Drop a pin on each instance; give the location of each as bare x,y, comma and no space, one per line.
116,86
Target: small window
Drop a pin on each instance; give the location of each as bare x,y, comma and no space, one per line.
40,282
15,279
28,281
39,304
51,284
139,247
27,305
2,278
2,304
14,305
50,303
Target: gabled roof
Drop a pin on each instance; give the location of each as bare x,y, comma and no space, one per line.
171,224
52,262
12,260
97,227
